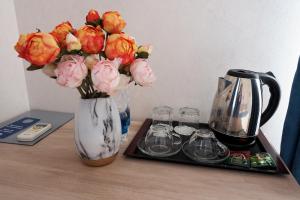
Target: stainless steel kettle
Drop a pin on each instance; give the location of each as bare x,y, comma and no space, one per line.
237,108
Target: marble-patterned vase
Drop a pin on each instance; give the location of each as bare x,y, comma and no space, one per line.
98,131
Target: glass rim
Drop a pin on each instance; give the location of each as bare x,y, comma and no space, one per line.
162,108
159,127
189,111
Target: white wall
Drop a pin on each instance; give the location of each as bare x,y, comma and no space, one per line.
13,92
195,42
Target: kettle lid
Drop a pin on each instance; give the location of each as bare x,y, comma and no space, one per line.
242,73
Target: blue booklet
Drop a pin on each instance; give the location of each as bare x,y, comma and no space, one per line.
9,130
17,126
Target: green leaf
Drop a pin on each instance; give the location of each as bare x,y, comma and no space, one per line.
61,53
74,52
102,54
95,23
143,54
82,53
124,69
100,22
34,67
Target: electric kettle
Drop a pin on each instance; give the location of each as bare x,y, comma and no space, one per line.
237,108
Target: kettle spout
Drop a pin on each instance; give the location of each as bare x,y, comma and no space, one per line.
223,85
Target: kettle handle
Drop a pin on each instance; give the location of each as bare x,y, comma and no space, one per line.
274,88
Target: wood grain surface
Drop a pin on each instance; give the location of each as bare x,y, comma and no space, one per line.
52,170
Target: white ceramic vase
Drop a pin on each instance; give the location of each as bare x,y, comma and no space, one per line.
98,131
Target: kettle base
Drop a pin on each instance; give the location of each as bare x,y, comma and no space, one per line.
235,142
239,146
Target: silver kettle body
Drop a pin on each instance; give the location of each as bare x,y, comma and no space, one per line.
237,108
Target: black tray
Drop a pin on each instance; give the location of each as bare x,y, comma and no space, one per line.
261,145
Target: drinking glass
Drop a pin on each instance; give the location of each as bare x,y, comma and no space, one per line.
162,115
122,101
188,121
204,147
203,144
160,140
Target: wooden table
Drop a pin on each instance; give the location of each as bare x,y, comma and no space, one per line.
52,170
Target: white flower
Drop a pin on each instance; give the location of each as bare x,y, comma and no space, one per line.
72,42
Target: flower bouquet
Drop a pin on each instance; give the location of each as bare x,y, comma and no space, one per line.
98,59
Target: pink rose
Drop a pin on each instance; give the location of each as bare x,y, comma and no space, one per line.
106,76
70,71
142,73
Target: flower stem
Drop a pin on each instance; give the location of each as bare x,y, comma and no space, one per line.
81,92
89,79
87,88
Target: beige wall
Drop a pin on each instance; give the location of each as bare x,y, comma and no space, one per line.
13,92
195,42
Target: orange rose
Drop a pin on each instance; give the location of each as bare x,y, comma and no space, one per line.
120,46
61,31
113,22
92,16
21,44
91,39
37,48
